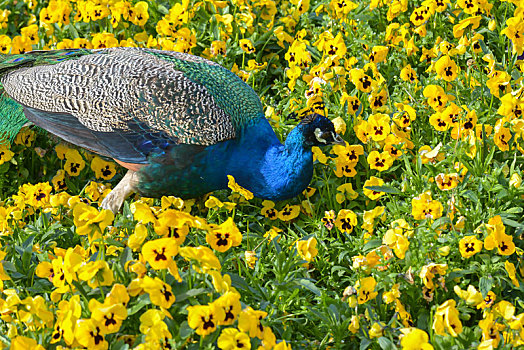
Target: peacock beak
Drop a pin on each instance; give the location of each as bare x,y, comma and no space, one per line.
337,139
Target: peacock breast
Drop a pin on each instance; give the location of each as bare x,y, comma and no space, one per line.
186,171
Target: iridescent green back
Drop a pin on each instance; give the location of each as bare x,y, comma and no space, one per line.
12,118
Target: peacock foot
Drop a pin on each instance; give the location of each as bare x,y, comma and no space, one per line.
114,200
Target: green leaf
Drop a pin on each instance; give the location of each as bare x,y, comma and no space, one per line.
306,283
81,289
458,273
163,10
514,210
484,48
74,32
364,344
28,243
471,196
386,189
143,300
439,222
111,241
190,293
512,223
127,255
386,344
372,244
120,345
11,270
485,285
185,330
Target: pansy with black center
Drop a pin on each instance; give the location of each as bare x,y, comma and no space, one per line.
380,161
74,162
250,321
446,182
373,182
204,319
159,253
247,46
89,335
379,126
174,224
346,220
232,338
366,289
420,15
57,334
218,47
103,169
58,277
160,293
289,212
224,236
39,195
497,238
502,137
361,80
344,168
409,74
446,68
393,149
25,137
436,97
348,153
378,99
5,44
428,293
58,181
108,315
268,210
488,301
230,303
353,103
424,207
309,191
469,246
440,121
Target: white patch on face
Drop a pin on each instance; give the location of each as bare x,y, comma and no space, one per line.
318,135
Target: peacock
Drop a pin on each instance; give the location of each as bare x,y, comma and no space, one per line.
179,123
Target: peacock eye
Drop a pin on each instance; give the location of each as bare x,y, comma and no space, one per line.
319,135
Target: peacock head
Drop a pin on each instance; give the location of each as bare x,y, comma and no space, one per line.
318,130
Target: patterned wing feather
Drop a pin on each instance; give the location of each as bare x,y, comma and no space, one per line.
124,93
232,94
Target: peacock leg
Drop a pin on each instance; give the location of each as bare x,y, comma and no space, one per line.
116,197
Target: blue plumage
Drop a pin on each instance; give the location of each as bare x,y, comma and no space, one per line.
180,123
256,159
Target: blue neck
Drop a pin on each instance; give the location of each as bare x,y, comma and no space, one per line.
257,160
270,170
